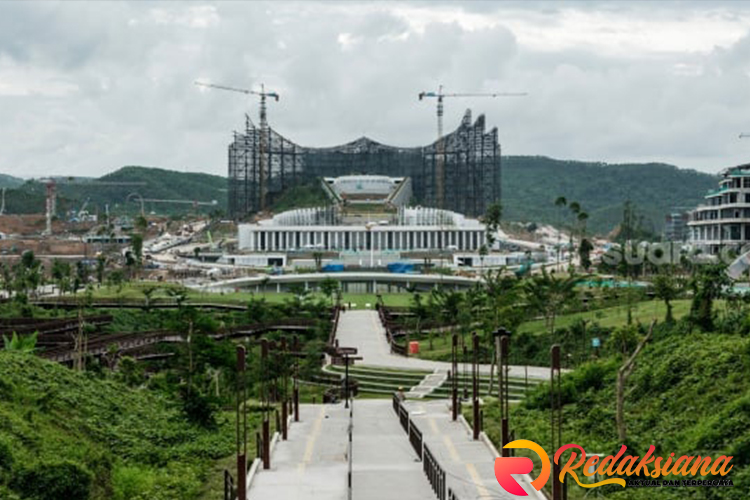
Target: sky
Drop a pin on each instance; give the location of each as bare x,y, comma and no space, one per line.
88,87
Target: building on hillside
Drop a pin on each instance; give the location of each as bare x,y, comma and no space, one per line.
461,174
724,219
675,226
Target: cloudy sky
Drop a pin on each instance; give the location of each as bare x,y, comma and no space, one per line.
88,87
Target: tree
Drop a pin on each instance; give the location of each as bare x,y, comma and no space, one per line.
318,258
667,288
707,285
548,294
329,286
61,275
136,243
622,377
492,218
148,293
101,266
584,253
179,294
483,251
560,203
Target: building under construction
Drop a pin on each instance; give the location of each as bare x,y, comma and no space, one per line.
461,172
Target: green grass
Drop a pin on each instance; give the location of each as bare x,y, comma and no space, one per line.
689,395
135,291
610,317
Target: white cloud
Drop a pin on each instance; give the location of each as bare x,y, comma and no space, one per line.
88,87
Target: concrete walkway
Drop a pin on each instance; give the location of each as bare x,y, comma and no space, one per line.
468,464
385,464
313,463
362,329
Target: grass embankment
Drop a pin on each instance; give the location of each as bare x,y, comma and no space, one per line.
688,395
65,434
607,318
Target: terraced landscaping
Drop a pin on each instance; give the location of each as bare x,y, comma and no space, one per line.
383,382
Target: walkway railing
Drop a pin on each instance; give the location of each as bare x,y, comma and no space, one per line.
433,470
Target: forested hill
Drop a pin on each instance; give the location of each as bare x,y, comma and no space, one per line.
157,183
530,186
532,183
8,181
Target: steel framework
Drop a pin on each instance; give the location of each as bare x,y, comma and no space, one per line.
470,158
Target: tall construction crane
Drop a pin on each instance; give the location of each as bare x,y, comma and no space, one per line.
263,129
440,156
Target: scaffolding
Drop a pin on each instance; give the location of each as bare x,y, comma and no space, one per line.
471,159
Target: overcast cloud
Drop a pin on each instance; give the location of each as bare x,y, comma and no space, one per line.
88,87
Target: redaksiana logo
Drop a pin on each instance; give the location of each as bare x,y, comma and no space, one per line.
505,466
629,465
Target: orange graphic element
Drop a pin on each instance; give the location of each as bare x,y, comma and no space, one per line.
505,466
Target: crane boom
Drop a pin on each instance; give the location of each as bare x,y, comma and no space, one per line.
264,131
440,154
242,91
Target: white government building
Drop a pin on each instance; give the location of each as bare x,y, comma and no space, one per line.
413,229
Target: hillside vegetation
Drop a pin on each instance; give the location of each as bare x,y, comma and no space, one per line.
689,394
530,186
532,183
70,435
8,181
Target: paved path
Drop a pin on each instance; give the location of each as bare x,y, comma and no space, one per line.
385,464
468,464
362,329
313,463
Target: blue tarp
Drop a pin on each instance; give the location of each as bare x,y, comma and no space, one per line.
333,268
400,267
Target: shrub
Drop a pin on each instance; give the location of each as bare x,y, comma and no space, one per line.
62,479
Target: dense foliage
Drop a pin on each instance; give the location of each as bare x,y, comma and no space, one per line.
655,189
689,394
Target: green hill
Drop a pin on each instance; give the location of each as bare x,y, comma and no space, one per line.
530,186
532,183
689,394
8,181
157,184
65,434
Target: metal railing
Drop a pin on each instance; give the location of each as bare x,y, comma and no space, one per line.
415,438
229,491
435,474
403,415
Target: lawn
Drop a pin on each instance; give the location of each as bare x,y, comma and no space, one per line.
135,291
610,317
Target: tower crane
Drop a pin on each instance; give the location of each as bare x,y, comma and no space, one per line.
263,129
440,156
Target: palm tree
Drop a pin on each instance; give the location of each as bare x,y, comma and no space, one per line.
548,294
560,203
